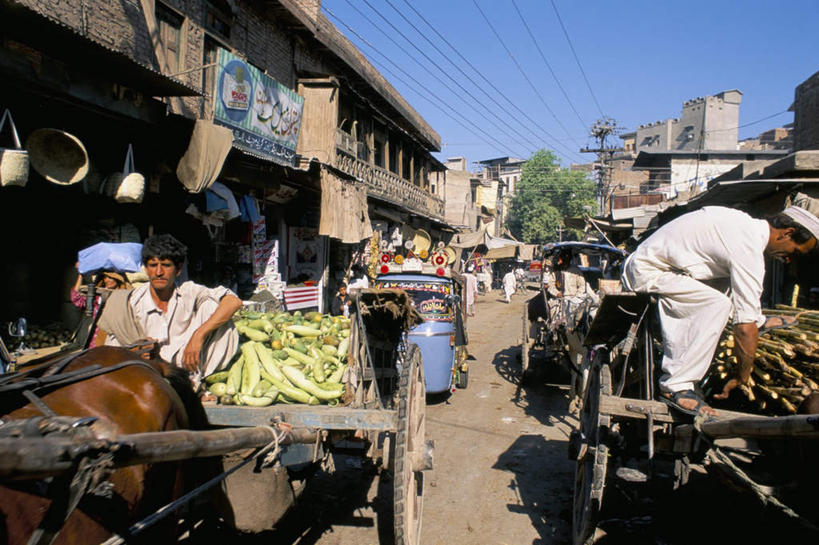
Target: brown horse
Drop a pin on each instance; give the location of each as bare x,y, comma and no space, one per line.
132,399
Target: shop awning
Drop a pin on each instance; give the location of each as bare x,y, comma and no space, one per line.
343,209
60,41
505,252
527,252
476,238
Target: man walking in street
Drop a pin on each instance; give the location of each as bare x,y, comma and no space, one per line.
509,283
470,289
682,262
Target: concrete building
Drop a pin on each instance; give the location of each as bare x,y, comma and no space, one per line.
506,171
805,113
459,189
709,122
780,138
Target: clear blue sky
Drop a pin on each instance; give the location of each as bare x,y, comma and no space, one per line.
642,58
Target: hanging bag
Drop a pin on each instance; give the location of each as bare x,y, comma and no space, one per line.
132,187
13,161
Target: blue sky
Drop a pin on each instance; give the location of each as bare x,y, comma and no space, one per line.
642,59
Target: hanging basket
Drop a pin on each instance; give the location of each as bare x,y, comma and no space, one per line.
132,187
13,161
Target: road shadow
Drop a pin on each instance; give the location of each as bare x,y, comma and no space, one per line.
542,478
339,496
544,392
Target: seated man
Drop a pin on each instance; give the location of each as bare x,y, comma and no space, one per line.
577,294
190,323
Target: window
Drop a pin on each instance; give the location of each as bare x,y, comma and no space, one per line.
379,142
211,56
170,26
218,16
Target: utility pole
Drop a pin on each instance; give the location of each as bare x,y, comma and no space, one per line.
600,131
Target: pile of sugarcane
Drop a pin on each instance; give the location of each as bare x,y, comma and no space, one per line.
786,366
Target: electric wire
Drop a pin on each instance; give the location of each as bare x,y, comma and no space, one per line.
577,59
749,124
520,69
489,82
435,100
486,109
548,65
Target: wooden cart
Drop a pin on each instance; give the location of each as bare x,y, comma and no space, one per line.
383,409
625,433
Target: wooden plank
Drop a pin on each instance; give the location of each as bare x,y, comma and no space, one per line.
749,426
303,416
633,408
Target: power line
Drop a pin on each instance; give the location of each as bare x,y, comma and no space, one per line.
472,67
520,68
577,59
549,66
751,123
444,72
495,145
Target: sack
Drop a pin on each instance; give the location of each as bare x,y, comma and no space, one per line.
132,187
122,257
13,161
203,160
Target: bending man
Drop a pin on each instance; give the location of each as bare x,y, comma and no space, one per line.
190,322
708,246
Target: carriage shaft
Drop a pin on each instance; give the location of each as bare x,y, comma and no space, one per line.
31,458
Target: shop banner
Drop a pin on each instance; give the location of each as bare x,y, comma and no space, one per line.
265,116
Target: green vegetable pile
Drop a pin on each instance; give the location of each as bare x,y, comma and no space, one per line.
287,358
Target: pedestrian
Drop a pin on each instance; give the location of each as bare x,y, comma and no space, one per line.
471,289
509,283
712,244
340,305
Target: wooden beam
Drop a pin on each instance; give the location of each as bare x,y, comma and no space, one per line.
29,458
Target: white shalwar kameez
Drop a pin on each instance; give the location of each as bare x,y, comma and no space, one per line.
707,245
509,284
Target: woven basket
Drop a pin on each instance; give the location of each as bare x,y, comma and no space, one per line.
13,161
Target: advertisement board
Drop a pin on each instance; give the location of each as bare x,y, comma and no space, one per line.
264,115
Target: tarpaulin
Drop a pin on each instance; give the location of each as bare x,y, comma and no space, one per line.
208,148
504,252
343,210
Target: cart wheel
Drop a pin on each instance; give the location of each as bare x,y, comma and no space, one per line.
410,446
590,470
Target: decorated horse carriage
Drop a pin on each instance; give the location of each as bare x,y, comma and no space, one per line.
92,430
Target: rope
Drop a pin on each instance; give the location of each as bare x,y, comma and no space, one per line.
715,455
273,448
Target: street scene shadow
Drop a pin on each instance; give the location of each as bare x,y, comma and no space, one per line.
541,478
543,393
331,498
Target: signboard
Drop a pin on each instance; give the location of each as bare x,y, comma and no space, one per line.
265,116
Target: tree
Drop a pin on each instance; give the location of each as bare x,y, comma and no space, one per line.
545,194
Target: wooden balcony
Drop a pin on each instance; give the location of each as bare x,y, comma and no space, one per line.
388,186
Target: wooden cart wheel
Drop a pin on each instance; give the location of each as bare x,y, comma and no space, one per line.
524,344
590,470
410,445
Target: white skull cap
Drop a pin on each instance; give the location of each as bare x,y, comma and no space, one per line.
804,218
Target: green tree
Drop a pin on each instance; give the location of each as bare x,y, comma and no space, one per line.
544,195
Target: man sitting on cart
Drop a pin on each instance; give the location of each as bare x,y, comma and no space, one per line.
190,323
572,294
678,262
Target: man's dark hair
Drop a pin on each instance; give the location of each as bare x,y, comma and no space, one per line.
164,247
783,221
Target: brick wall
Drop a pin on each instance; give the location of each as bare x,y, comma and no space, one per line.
805,114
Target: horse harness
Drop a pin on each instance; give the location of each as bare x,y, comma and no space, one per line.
91,472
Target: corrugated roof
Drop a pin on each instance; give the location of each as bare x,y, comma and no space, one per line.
64,42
